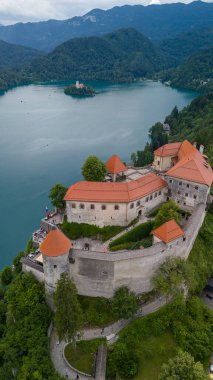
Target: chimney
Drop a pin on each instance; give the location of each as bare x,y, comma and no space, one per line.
201,148
195,144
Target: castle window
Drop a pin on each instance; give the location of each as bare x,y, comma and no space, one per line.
132,205
103,207
196,187
186,194
55,266
151,197
73,205
138,203
158,162
159,192
116,207
92,207
187,185
195,196
184,238
147,199
180,183
156,194
170,181
81,205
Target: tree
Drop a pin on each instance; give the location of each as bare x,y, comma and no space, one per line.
172,276
94,169
68,316
183,366
122,361
124,303
168,211
57,194
6,275
17,261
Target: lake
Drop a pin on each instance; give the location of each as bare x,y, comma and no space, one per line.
45,136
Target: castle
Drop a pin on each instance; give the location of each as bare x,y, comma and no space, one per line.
180,172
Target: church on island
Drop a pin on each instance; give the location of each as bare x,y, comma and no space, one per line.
179,172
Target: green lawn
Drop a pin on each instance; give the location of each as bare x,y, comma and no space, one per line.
82,357
97,311
155,351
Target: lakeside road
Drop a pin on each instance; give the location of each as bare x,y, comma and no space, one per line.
57,348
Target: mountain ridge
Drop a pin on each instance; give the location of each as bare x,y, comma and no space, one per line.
154,21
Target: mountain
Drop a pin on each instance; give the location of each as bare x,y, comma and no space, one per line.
16,57
120,56
185,44
195,73
157,22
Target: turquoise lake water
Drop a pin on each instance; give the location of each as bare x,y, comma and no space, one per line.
45,136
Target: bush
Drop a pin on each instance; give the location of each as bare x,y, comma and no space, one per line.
17,261
168,211
140,232
77,230
121,247
122,361
6,275
124,303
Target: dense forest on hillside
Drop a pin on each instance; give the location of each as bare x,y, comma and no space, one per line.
16,57
122,56
118,57
194,123
185,44
195,73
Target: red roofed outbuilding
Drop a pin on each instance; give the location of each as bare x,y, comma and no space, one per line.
168,232
115,166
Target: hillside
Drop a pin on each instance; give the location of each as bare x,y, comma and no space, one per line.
14,56
194,123
119,57
154,21
185,44
195,73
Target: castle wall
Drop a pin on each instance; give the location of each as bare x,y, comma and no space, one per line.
99,274
53,268
36,273
187,193
113,213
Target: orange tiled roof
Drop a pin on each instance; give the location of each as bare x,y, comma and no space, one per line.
168,150
124,192
191,165
55,244
168,231
114,165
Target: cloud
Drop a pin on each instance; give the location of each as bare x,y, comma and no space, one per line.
12,11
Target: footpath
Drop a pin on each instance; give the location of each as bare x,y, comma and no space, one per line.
57,348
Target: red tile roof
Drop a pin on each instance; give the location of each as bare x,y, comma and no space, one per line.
55,244
168,231
191,166
114,165
124,192
168,150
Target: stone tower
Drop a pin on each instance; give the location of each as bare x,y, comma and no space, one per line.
55,250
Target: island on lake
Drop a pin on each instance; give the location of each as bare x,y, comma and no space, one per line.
79,89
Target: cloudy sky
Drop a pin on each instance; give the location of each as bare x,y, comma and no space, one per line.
12,11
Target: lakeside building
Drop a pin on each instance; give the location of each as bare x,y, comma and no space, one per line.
179,172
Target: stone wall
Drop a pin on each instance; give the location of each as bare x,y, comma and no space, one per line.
186,193
99,274
33,268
